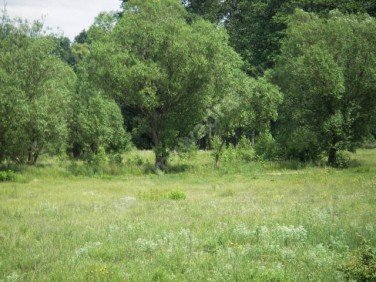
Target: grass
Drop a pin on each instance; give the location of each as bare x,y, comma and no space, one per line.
241,222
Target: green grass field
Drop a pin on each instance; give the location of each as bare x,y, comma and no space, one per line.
241,222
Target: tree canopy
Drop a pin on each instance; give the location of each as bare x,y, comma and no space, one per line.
35,90
327,71
171,69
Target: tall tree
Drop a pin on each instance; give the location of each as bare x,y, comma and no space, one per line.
171,70
35,91
327,71
256,27
96,123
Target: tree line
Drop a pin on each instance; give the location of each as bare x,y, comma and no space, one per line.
290,79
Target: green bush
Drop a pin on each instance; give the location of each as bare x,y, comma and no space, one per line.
245,150
97,159
176,195
362,266
266,147
343,160
229,154
7,176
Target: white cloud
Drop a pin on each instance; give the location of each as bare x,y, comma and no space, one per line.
70,16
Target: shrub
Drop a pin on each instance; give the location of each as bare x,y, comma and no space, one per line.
266,147
176,195
7,176
343,160
97,159
245,150
362,266
229,154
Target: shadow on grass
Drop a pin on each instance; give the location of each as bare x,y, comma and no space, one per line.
170,169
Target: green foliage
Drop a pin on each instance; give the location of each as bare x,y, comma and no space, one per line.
35,91
229,154
167,68
176,195
247,111
362,266
7,175
325,71
300,144
187,150
265,147
256,27
63,50
96,123
343,160
245,149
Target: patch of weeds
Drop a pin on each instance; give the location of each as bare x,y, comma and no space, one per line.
99,274
362,266
7,175
151,195
176,195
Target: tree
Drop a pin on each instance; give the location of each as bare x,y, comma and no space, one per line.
97,122
63,49
35,91
256,27
246,112
171,70
327,71
211,10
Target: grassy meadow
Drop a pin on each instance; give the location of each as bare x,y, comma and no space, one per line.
265,221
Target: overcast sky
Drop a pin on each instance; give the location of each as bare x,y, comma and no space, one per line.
70,16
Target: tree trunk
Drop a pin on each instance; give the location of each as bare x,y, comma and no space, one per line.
33,153
332,156
160,152
218,153
160,158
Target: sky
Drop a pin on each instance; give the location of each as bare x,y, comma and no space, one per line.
67,16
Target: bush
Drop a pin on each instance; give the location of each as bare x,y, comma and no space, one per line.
97,159
229,154
7,176
299,144
362,266
266,147
343,160
245,150
176,195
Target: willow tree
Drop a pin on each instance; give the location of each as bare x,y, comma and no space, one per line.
170,68
35,90
327,71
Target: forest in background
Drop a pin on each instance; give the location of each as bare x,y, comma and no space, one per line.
286,80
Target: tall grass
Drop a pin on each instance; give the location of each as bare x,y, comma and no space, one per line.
265,221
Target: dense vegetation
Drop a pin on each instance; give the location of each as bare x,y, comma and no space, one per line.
279,95
291,80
